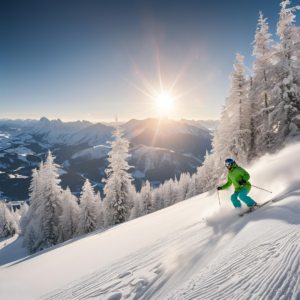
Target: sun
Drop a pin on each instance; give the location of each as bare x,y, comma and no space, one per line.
164,102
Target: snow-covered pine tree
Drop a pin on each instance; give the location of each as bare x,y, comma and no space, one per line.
288,32
285,97
100,211
16,215
232,138
143,202
51,205
261,89
33,235
158,201
238,106
30,223
118,187
183,186
136,210
69,219
209,173
147,197
174,191
167,193
23,218
35,198
8,225
88,209
192,187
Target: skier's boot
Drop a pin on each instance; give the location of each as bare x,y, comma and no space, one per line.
253,207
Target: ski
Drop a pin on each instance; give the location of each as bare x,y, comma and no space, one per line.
259,206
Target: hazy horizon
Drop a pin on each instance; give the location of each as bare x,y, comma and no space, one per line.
102,120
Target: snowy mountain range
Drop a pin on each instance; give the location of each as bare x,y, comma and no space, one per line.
210,124
160,150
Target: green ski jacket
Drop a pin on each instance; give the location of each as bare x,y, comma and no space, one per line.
235,174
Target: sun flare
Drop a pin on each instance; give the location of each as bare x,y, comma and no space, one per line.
164,102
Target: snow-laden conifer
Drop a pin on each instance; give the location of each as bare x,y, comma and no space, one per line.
174,191
33,215
183,186
288,32
100,211
88,209
69,219
8,225
167,193
51,204
35,197
192,187
158,201
146,199
261,89
16,215
232,138
136,210
33,235
285,98
23,218
118,187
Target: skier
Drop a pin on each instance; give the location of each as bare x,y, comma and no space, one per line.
239,178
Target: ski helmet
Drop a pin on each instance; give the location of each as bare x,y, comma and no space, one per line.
228,163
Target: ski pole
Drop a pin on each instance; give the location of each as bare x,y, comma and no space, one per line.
261,188
219,197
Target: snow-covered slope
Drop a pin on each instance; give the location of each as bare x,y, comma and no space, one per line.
93,135
93,153
192,250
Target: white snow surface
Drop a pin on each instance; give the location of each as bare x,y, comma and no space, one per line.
191,250
94,152
61,171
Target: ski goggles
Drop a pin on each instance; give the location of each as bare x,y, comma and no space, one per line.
228,165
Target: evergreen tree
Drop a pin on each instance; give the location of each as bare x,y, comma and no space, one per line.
261,89
23,218
191,187
136,210
167,193
51,205
285,97
16,216
147,198
35,198
33,235
33,215
69,219
88,209
99,204
158,202
118,188
183,186
238,106
8,225
288,48
174,191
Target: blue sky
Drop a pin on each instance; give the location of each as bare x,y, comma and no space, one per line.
85,59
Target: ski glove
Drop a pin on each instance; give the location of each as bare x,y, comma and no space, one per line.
219,188
242,182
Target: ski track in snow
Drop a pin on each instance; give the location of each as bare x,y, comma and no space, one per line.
254,257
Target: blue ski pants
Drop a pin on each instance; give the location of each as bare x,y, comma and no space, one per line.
243,196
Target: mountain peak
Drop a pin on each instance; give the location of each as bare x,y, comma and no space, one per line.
44,120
